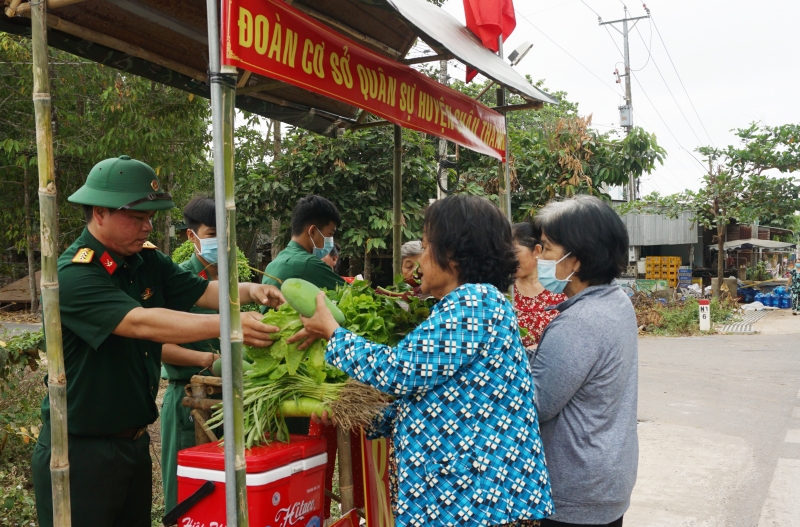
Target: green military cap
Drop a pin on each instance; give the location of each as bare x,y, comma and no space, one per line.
123,183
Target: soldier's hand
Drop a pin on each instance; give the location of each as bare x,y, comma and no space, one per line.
255,332
266,295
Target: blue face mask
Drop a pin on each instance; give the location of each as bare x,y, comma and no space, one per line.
208,249
327,246
547,275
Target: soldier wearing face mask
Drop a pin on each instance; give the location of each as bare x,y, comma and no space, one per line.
181,362
314,224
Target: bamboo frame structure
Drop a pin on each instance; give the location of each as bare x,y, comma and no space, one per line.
345,470
48,209
223,96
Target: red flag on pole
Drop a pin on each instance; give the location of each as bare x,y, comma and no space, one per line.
489,19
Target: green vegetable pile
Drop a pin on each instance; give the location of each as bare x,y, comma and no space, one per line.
288,382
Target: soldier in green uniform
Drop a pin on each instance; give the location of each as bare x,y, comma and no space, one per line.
181,362
120,301
314,222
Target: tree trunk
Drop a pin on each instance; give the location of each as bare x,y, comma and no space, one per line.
367,267
720,258
165,246
29,244
276,152
48,207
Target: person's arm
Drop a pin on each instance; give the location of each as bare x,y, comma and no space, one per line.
261,294
560,366
180,356
424,359
176,327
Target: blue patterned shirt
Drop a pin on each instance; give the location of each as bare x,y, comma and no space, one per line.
464,424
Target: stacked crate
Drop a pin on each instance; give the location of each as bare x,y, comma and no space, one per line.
653,268
663,268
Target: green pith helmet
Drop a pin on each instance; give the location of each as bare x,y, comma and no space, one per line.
123,183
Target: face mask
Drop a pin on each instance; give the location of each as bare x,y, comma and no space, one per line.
327,246
547,275
208,249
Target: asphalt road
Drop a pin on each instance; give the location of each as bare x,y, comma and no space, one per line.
719,429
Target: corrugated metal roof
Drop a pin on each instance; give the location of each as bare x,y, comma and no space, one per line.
658,229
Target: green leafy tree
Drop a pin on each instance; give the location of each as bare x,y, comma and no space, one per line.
98,112
353,171
737,185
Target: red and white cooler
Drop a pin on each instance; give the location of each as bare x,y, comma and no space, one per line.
285,483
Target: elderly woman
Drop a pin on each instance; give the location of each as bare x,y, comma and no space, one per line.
585,369
463,421
410,253
531,299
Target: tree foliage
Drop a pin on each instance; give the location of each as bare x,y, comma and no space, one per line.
739,184
98,112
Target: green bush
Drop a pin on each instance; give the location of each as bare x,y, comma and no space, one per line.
20,422
682,318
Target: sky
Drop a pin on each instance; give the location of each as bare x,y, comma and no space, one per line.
737,62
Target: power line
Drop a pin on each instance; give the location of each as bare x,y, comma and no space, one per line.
681,81
649,48
655,63
567,52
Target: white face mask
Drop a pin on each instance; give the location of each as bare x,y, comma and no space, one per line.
547,275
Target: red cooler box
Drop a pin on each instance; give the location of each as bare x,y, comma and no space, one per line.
285,483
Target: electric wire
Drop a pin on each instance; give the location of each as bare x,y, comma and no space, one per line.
655,63
649,48
652,104
567,52
681,81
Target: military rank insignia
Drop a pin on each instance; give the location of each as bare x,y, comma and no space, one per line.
108,263
148,293
203,274
84,256
148,245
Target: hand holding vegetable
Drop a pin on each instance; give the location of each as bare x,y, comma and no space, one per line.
266,295
320,326
256,333
325,419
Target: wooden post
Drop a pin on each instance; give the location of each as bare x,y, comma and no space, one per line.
198,392
345,470
48,209
397,201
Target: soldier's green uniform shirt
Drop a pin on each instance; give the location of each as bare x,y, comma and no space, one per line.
177,427
296,262
112,381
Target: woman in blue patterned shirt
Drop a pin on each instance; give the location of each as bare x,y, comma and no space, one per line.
463,422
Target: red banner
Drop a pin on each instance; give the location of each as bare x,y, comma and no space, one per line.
377,495
271,38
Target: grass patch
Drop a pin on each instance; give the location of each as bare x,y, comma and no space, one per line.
679,318
20,422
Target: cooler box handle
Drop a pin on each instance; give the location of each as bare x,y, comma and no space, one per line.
171,518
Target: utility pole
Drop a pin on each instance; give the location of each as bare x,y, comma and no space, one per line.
441,188
626,111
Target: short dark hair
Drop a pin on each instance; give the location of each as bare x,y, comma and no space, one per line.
472,233
524,235
591,231
314,210
200,211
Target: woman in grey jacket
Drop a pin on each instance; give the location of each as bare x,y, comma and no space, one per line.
585,369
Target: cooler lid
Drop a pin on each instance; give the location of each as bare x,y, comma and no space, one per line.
259,459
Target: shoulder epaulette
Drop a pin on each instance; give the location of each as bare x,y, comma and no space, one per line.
84,256
148,245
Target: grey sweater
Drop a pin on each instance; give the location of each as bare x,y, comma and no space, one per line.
586,376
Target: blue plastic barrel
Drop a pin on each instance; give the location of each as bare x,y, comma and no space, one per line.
759,298
769,300
786,301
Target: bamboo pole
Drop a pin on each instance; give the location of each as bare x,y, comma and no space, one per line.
25,8
223,98
345,470
397,202
48,210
